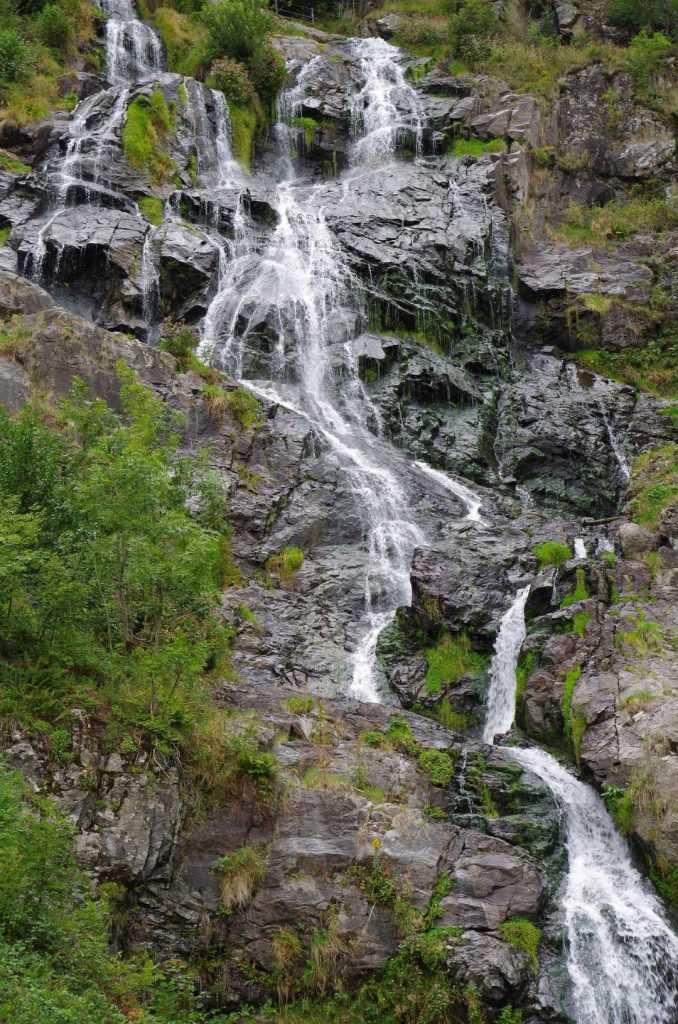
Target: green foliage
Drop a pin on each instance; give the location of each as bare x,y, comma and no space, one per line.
286,563
243,128
55,28
472,25
185,40
551,553
509,1016
580,593
635,15
260,766
640,634
652,367
438,765
107,582
450,660
476,147
527,663
240,872
246,410
268,73
144,135
55,961
400,736
580,621
14,56
617,219
15,166
237,28
232,78
525,935
575,724
621,804
653,485
151,210
475,781
300,705
449,719
647,54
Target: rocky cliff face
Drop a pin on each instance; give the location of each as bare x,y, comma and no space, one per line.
456,369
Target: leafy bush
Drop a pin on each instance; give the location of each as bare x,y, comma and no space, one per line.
232,78
268,73
55,28
472,26
635,15
646,56
56,966
551,553
107,583
14,58
438,765
238,28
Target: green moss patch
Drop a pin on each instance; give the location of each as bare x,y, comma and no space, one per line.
146,132
151,210
450,660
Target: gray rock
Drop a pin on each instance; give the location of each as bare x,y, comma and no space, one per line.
636,540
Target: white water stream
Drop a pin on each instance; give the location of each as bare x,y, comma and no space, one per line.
133,49
622,956
301,297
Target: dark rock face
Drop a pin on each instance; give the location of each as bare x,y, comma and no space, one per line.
597,117
455,378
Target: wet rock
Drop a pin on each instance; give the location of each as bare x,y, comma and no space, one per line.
17,295
495,970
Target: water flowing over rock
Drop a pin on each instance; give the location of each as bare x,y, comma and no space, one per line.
417,437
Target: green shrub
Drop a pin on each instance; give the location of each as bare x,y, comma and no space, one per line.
551,553
268,73
55,28
14,56
300,705
237,28
525,935
472,26
151,210
635,15
185,39
232,78
646,56
399,734
244,408
260,766
438,765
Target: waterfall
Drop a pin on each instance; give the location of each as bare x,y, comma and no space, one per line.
386,110
615,445
465,494
622,956
579,548
295,308
133,49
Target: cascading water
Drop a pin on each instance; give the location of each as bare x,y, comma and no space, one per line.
300,300
615,445
386,110
133,49
622,956
465,494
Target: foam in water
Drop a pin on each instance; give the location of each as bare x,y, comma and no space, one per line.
133,49
386,110
301,291
467,496
579,548
622,956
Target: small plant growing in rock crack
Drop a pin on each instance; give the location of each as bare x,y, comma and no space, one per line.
286,563
438,765
240,872
580,593
551,553
300,705
525,935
